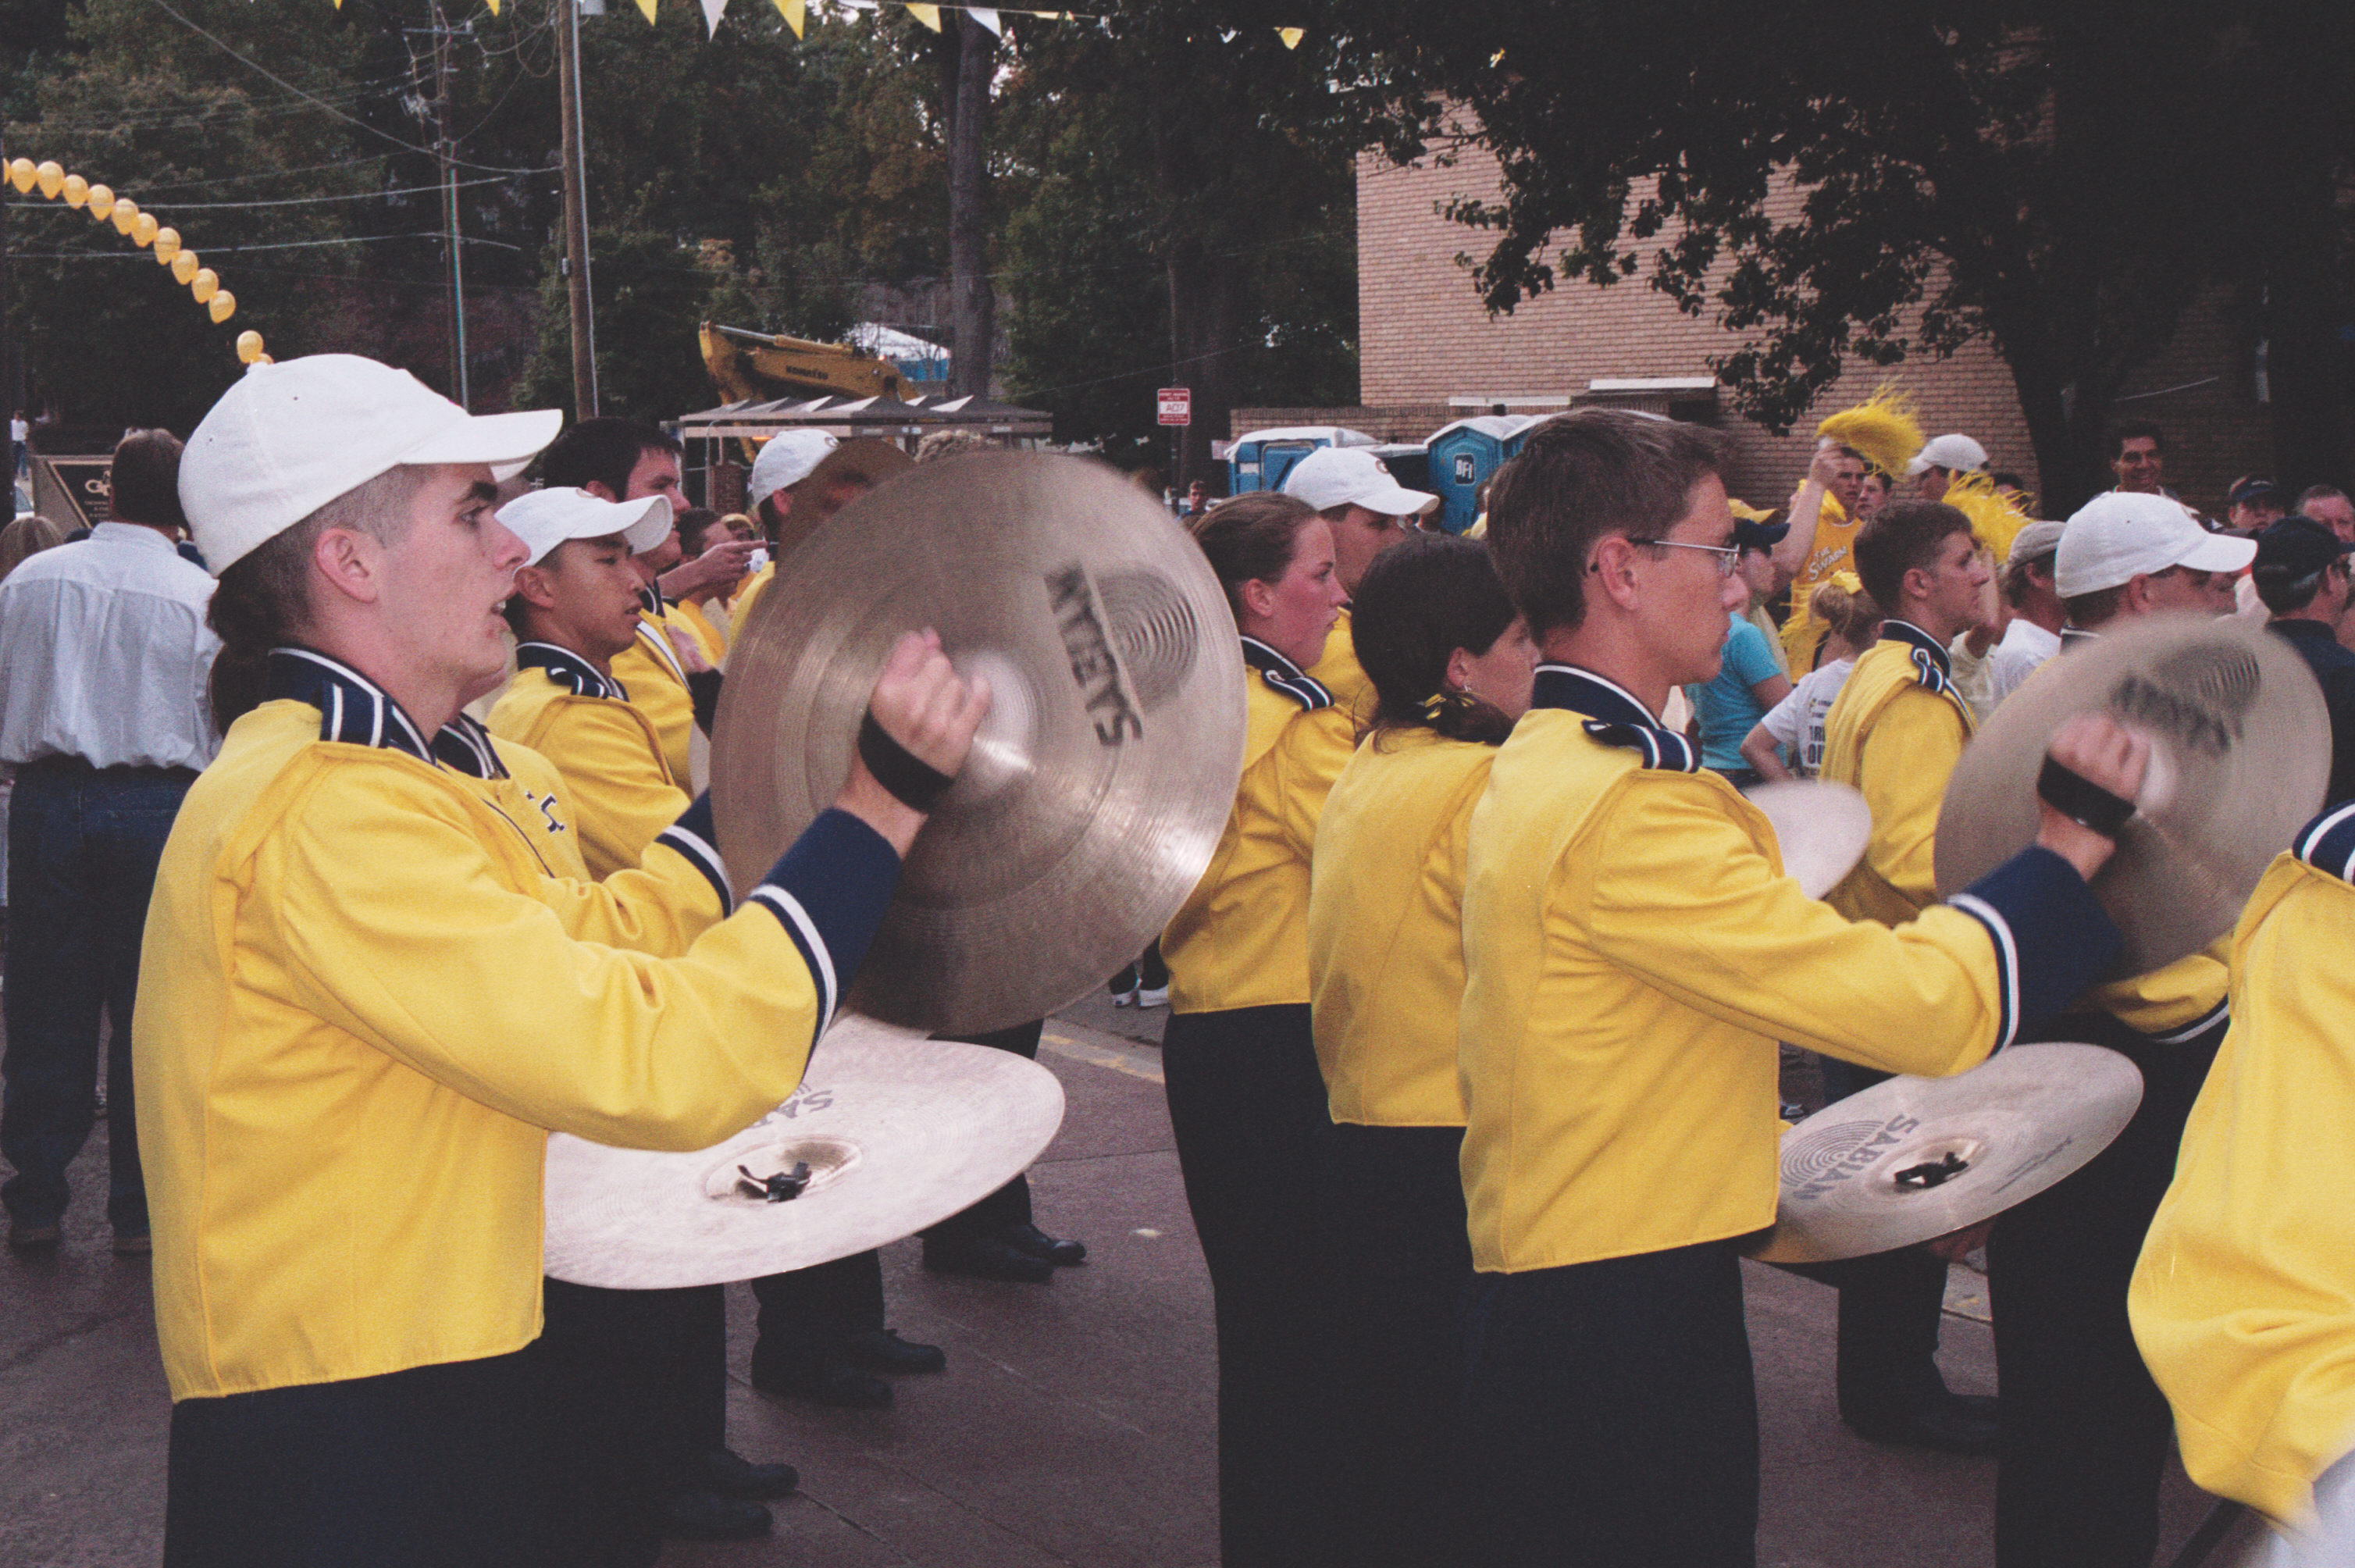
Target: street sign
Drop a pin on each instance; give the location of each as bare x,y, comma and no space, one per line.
1176,405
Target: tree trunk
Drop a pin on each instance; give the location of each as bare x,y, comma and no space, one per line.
1205,313
973,299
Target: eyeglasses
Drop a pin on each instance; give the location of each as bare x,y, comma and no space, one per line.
1729,557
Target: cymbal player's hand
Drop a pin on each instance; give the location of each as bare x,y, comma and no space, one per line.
2103,752
925,706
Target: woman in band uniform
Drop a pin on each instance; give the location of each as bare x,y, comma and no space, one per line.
1246,1103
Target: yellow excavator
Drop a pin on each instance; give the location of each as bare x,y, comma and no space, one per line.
757,366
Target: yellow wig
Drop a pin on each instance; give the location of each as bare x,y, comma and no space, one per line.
1882,428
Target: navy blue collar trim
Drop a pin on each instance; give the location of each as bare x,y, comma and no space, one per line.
1908,633
1284,676
2071,637
1615,716
568,669
464,745
352,708
650,599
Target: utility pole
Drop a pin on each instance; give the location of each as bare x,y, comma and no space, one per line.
576,213
446,151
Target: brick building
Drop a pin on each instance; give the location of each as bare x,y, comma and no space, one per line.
1429,352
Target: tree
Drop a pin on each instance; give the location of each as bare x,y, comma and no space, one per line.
2062,176
1187,135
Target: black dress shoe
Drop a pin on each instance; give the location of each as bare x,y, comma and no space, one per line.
708,1516
986,1257
1031,1242
733,1476
1950,1423
827,1380
882,1350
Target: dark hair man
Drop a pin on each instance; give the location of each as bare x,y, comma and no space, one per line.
2304,577
103,658
1604,864
2139,458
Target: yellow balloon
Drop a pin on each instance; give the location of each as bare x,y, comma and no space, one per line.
205,284
167,245
77,190
126,213
51,177
223,305
143,230
249,344
99,199
184,266
21,174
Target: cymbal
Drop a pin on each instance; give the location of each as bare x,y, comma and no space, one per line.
1102,777
1911,1159
898,1132
2240,757
1821,830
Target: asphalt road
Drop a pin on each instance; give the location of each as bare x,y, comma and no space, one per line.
1074,1425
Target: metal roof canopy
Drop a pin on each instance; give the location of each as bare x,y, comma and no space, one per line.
878,416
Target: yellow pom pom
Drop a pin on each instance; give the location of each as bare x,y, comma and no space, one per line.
1746,512
1883,427
1994,521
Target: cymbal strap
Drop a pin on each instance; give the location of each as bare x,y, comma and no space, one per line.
2081,800
907,778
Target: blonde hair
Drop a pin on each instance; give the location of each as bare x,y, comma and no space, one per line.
28,534
1841,604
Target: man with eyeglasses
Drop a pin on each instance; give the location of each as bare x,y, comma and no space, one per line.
2303,577
2086,1433
1633,953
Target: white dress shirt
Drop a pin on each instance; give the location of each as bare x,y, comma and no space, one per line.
104,654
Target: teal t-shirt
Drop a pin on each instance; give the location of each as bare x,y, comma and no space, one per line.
1727,710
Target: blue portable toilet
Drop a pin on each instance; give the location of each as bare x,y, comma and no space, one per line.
1260,459
1463,456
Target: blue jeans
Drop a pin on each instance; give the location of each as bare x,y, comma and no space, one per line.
82,848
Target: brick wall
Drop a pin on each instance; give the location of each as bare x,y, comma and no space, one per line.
1424,337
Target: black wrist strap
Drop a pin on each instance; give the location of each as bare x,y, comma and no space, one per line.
907,778
2081,801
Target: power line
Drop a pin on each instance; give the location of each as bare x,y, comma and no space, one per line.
211,250
165,7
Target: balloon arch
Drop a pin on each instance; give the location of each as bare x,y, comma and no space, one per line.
141,229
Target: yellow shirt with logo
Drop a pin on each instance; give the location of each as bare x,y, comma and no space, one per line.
1385,927
1241,938
610,755
1633,953
366,1002
1834,547
2243,1301
1894,735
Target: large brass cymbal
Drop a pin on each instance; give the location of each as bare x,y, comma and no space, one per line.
2240,757
1102,777
1911,1160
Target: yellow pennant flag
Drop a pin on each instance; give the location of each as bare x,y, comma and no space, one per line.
795,13
495,11
647,7
1292,36
930,16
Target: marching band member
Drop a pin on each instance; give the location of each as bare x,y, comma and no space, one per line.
2244,1299
1246,1103
1631,955
375,1002
2086,1430
1894,734
1450,663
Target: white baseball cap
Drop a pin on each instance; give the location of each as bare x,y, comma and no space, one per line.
1958,452
788,458
1333,477
546,519
291,437
2118,535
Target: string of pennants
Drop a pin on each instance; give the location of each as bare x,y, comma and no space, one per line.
796,15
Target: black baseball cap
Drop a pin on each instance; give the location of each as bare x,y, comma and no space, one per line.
1749,535
2298,547
2251,490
